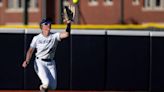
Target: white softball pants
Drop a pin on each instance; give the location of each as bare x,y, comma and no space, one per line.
46,71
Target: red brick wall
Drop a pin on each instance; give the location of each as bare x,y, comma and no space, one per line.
99,14
111,14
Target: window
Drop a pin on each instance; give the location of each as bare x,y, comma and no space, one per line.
19,5
16,4
33,4
154,4
108,2
135,2
93,3
0,3
158,3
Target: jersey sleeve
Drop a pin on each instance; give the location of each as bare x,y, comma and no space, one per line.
33,43
57,36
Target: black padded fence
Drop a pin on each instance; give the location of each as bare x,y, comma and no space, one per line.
120,60
128,61
88,60
11,53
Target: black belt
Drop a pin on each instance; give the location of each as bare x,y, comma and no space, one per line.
46,60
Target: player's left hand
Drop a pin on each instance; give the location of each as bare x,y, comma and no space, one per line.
67,21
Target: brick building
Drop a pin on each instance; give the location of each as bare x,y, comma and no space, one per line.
121,11
88,11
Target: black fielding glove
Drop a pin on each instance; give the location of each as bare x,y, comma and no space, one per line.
69,13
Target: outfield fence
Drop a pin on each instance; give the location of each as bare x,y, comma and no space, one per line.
90,59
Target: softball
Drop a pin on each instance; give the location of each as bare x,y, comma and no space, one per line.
75,1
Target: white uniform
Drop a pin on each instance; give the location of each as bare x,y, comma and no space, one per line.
44,64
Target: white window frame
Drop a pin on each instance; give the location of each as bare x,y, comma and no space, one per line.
14,7
33,4
150,5
135,2
108,2
93,2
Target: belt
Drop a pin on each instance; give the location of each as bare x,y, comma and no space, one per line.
46,60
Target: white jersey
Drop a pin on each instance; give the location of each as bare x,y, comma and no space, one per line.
45,46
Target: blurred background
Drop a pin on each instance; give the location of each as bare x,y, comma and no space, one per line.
114,45
87,11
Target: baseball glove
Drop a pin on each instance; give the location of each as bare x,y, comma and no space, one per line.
69,12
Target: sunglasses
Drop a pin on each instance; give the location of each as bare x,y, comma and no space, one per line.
46,23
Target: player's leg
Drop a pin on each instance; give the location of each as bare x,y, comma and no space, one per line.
41,71
52,75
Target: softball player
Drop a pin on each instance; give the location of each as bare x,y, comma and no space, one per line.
45,43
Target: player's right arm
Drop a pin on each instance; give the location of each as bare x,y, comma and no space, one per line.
30,52
28,57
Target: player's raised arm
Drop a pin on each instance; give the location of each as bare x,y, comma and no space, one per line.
28,57
68,16
67,31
